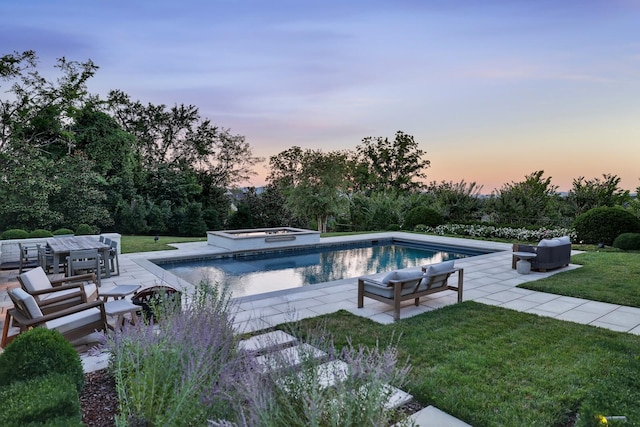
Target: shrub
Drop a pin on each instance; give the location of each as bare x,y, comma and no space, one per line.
40,352
421,228
15,233
62,231
627,242
422,215
604,224
393,227
41,233
84,229
49,400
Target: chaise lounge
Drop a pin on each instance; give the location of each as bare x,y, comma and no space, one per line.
403,285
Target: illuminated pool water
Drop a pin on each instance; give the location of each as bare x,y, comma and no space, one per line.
256,273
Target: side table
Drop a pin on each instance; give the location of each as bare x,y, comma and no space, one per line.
119,292
118,309
523,266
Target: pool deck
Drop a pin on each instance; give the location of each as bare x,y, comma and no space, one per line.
488,279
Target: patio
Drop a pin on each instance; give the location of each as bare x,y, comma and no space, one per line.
488,279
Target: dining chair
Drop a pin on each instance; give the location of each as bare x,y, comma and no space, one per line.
85,261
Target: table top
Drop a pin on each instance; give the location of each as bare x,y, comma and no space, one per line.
75,243
120,306
525,255
119,291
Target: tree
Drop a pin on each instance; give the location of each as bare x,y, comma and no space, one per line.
37,110
179,136
455,201
587,194
25,187
313,182
533,201
382,165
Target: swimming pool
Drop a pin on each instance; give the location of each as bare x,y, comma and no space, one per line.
259,272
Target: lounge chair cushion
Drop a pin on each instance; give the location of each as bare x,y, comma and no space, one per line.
564,240
387,291
399,275
35,280
74,321
29,303
441,267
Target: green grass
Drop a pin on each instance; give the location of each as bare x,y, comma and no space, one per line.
612,277
491,366
131,244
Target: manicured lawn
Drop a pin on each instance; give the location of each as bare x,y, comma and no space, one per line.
491,366
612,277
131,244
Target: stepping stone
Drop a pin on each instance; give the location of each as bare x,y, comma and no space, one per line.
288,357
328,374
265,343
432,416
397,398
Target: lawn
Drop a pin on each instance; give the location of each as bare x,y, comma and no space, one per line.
491,366
612,277
131,244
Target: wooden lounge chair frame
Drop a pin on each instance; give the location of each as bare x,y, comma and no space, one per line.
440,281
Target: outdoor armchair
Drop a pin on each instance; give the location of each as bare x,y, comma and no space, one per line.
74,323
53,294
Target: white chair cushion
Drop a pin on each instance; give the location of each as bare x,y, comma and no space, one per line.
440,268
564,240
35,280
29,302
74,321
401,275
547,243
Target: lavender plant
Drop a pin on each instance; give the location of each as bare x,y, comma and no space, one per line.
349,388
183,371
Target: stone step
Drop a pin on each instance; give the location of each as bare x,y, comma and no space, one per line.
288,357
397,397
267,342
432,416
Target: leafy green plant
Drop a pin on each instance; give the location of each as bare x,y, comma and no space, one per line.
49,400
15,233
62,231
604,224
393,227
40,352
84,230
422,215
40,233
627,242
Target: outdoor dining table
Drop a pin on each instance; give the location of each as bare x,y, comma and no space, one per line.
62,246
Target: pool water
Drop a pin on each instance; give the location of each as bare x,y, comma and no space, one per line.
257,273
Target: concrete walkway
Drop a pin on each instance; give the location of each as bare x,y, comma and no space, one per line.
488,279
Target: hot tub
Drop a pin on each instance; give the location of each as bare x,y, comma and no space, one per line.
260,238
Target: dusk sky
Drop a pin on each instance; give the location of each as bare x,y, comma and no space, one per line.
492,90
